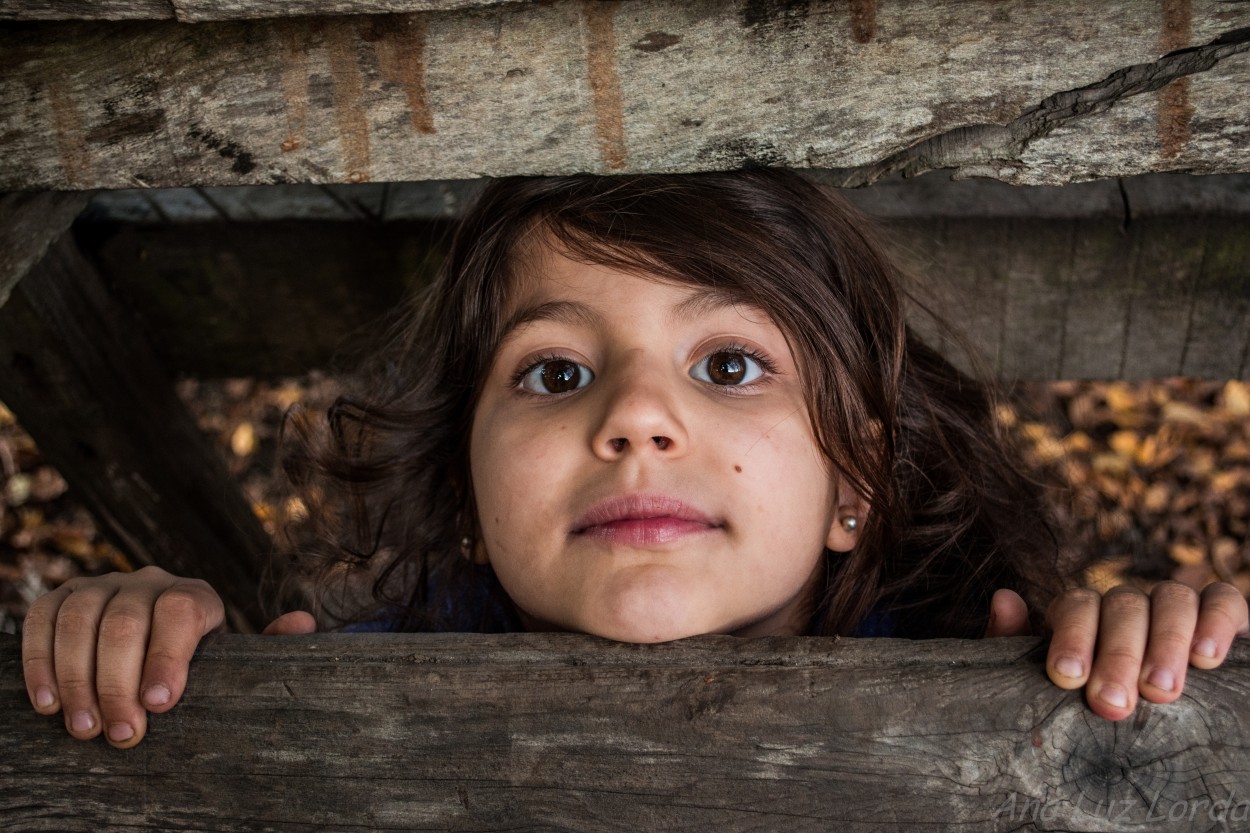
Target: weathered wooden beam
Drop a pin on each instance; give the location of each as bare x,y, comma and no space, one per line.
1021,91
195,11
1140,278
572,732
76,370
29,224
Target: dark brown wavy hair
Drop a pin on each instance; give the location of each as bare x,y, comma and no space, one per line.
953,514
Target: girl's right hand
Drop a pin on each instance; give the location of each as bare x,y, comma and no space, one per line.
92,645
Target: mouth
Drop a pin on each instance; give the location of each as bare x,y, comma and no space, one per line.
643,520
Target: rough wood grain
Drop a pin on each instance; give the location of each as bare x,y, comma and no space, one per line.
1145,277
571,732
76,370
1027,92
194,11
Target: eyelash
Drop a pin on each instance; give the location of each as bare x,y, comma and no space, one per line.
765,363
769,367
537,362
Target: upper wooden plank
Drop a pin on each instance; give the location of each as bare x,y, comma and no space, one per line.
1021,91
573,732
196,11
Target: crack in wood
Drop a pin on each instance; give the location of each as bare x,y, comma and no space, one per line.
976,144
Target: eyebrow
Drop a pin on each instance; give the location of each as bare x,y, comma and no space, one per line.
575,314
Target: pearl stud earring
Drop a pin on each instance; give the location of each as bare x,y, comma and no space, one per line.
850,523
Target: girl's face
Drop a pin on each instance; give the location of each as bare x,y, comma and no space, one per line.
643,464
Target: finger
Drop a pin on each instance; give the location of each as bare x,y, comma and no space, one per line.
1221,617
1073,620
74,656
180,618
38,633
1123,629
1173,614
1009,615
290,624
124,630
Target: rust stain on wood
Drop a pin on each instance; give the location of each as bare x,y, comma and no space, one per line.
294,82
353,122
605,82
70,136
864,20
400,43
1175,110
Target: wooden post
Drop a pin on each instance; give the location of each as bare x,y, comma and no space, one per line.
76,370
572,732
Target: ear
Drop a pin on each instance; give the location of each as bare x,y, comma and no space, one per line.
848,522
478,555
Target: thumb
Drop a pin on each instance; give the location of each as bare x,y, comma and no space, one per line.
290,624
1009,615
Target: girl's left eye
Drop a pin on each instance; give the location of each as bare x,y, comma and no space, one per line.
729,367
554,375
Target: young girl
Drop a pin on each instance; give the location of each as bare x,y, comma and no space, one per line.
648,408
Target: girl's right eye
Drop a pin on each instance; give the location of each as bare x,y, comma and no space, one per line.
555,376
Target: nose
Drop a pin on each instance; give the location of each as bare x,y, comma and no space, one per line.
640,414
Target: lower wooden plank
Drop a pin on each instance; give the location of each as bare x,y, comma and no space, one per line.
572,732
77,372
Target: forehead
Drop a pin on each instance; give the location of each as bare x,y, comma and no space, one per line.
547,282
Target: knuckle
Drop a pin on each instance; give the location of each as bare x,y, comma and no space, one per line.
115,693
1125,602
41,614
75,688
1118,656
178,601
164,657
74,621
124,625
1082,596
1170,643
1225,612
1174,592
35,659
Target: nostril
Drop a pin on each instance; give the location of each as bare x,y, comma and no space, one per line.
618,445
661,442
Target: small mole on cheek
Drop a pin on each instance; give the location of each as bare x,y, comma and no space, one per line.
738,469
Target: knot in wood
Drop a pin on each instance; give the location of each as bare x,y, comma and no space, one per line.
1165,762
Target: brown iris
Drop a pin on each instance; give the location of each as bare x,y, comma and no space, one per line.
561,376
726,368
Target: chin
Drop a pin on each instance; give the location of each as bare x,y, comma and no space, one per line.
644,635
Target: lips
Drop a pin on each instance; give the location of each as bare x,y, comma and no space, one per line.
643,520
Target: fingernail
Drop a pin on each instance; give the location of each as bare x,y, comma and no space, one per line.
43,697
1070,667
157,695
1205,647
1162,678
1114,695
83,722
121,731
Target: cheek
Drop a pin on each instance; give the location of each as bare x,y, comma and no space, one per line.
515,469
787,485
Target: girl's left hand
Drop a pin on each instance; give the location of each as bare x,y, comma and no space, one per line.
1145,643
